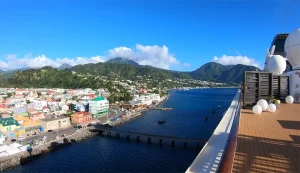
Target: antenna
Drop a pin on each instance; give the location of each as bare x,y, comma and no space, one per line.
268,55
272,50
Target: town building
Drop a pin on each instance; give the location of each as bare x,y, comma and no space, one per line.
36,115
99,107
81,118
8,124
28,126
55,123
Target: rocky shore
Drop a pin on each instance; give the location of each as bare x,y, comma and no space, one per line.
25,156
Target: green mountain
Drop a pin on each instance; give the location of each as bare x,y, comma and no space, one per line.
209,71
127,71
120,60
64,66
236,73
81,76
217,72
51,77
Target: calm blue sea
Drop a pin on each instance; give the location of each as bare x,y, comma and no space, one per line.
101,154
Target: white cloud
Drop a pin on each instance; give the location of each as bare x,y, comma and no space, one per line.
13,62
233,60
186,64
157,56
146,55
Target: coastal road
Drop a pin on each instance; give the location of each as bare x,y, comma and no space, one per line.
51,135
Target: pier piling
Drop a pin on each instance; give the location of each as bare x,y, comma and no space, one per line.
198,146
138,139
173,143
127,137
160,142
185,144
118,136
149,140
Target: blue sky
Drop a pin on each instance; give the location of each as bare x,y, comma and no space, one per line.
177,35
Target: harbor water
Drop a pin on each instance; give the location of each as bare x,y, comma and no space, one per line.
101,154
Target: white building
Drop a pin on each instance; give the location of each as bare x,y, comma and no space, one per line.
99,106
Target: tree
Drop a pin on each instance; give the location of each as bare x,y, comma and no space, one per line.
8,95
127,97
27,101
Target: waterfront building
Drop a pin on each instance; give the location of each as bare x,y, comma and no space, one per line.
98,107
81,118
8,124
28,126
55,123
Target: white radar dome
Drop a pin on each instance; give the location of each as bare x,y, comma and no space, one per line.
276,64
292,48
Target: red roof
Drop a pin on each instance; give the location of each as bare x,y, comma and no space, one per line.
84,113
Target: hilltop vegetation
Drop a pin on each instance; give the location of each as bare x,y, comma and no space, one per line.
91,75
217,72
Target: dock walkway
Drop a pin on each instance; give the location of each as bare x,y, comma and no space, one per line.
269,142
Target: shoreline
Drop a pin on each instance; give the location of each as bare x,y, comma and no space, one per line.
140,113
14,160
25,156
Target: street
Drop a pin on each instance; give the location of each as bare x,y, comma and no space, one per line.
50,135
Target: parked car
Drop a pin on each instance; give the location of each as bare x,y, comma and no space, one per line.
21,138
13,140
50,130
30,142
44,139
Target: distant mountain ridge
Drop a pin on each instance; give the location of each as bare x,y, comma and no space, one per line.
64,66
224,73
121,68
120,60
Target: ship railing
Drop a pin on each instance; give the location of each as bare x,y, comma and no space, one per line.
218,153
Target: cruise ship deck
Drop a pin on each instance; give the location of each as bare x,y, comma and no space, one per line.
269,142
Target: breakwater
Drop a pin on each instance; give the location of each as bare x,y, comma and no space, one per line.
25,156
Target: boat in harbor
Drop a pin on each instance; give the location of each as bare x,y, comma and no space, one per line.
161,122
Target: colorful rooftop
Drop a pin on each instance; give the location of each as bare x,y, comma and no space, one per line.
99,98
8,121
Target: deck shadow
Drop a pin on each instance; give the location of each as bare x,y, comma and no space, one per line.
290,124
262,155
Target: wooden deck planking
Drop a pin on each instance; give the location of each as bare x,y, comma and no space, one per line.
269,142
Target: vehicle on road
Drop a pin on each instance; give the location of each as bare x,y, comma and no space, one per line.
13,140
21,138
50,130
36,142
44,139
30,142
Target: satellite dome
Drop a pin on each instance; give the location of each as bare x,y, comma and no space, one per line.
276,64
292,48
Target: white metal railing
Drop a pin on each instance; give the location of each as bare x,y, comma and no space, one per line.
209,158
